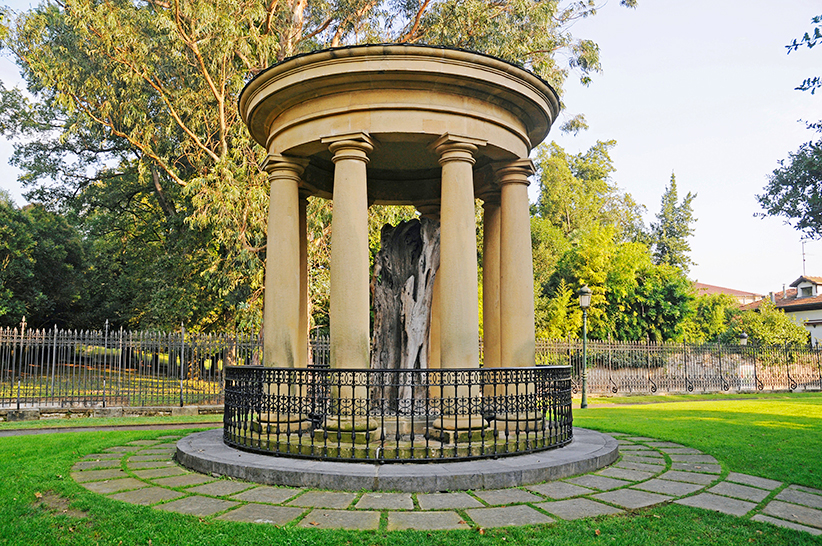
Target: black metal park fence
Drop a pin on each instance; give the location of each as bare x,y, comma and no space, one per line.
617,368
100,368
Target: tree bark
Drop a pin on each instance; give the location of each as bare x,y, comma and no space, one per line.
404,272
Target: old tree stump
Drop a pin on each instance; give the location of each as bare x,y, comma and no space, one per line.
404,272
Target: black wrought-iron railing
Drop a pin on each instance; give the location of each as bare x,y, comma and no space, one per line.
397,415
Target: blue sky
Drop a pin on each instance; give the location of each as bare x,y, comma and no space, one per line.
700,88
705,89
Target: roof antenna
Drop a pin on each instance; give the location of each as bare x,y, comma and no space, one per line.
803,257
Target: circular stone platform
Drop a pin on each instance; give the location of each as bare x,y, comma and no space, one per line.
205,452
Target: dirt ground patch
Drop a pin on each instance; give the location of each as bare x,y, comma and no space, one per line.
59,505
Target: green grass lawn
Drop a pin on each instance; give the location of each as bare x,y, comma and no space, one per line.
774,437
110,421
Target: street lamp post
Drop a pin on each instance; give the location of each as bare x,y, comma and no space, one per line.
584,302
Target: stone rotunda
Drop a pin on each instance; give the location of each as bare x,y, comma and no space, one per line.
406,125
411,125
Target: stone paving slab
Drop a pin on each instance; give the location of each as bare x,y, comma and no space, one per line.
598,482
665,487
689,477
797,496
386,501
697,467
156,457
143,442
648,453
788,524
268,494
794,512
160,472
220,488
341,519
324,499
650,457
90,465
635,447
640,439
577,508
94,475
167,451
655,468
632,498
625,474
121,449
682,451
143,465
426,521
506,496
147,495
719,504
677,458
659,444
102,456
186,480
507,516
560,490
739,491
197,506
172,437
263,513
805,489
439,501
114,486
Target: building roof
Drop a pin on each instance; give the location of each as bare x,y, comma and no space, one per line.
803,278
703,289
789,302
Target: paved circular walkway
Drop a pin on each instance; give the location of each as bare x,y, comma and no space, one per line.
648,472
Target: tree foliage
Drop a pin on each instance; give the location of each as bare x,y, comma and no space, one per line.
585,230
673,228
809,40
794,190
41,267
712,313
134,127
765,326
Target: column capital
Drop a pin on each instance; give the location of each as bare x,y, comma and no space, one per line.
490,196
514,172
350,146
429,209
277,162
456,148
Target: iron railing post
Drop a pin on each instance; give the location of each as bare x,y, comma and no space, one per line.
182,358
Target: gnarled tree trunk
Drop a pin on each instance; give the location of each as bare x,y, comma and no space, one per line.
404,272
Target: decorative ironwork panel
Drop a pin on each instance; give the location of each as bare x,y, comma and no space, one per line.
397,415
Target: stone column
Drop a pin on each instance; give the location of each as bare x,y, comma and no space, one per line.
349,301
517,343
490,280
459,303
281,311
303,226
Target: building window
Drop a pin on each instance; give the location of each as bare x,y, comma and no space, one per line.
807,291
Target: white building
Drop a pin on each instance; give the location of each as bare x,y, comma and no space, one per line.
802,302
